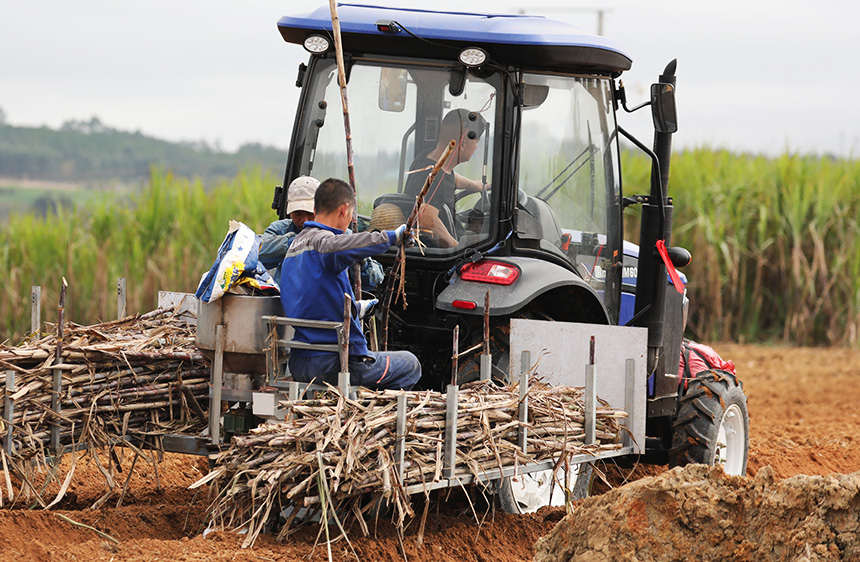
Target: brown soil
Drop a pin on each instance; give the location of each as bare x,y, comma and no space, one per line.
802,421
698,513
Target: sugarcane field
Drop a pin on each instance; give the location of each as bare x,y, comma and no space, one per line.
480,301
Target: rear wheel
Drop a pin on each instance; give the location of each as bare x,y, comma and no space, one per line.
500,339
470,367
712,426
527,493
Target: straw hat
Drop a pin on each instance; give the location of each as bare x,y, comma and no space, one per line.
386,216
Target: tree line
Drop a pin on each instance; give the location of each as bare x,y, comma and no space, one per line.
88,151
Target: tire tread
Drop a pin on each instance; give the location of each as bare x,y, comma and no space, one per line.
699,410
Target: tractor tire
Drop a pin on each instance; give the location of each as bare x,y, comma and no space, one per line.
470,369
527,493
712,424
500,338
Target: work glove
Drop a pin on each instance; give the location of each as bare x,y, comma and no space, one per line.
400,231
364,307
373,271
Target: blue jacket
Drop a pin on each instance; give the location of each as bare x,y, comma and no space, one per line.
276,240
314,280
274,243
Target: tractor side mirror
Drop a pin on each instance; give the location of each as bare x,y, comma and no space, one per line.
392,89
534,95
663,108
526,226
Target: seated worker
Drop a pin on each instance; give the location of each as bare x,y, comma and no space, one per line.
313,284
276,239
466,128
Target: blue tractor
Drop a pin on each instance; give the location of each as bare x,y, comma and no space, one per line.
530,204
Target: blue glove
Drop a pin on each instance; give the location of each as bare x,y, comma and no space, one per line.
365,307
372,269
400,232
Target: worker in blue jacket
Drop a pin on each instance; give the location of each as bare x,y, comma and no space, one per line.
276,239
313,284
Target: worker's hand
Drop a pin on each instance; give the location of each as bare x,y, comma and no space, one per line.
365,307
400,231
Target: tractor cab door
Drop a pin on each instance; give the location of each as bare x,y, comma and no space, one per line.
568,205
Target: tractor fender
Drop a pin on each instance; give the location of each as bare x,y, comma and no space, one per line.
538,280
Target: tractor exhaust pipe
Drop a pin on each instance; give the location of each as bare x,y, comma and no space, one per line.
656,225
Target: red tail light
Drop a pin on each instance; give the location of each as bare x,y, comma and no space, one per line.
486,271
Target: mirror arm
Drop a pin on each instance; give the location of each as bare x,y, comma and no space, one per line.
637,108
656,188
621,96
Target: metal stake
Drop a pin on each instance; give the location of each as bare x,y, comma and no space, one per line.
343,376
120,298
522,433
400,439
57,386
217,383
629,404
9,410
36,311
450,454
590,399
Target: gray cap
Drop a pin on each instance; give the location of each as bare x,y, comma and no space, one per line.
300,196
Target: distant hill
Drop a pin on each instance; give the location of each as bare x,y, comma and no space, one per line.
89,152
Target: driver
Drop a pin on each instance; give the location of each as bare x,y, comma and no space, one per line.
465,127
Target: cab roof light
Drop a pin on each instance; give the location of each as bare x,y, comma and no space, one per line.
486,271
316,44
472,57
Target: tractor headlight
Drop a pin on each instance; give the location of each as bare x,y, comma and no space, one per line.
473,56
316,44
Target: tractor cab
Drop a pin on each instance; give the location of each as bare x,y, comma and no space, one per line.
528,205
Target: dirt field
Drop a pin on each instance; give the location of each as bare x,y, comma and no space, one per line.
803,420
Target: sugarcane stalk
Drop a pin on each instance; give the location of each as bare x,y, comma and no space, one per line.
350,164
396,268
368,470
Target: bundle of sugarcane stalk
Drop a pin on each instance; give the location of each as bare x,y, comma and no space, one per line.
127,381
333,450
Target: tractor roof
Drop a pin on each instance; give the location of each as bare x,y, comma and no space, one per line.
522,40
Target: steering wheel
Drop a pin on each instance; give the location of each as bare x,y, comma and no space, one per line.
484,200
479,211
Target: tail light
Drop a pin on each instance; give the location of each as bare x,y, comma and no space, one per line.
486,271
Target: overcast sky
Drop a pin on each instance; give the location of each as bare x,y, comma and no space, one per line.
755,75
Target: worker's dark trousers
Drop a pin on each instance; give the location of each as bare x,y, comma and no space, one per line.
379,370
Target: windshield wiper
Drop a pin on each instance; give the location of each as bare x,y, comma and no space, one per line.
590,150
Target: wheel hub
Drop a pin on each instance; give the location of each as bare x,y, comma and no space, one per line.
729,452
538,489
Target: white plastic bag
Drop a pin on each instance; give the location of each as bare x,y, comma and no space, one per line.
237,263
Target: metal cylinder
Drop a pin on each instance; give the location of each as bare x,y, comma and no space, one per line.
245,332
